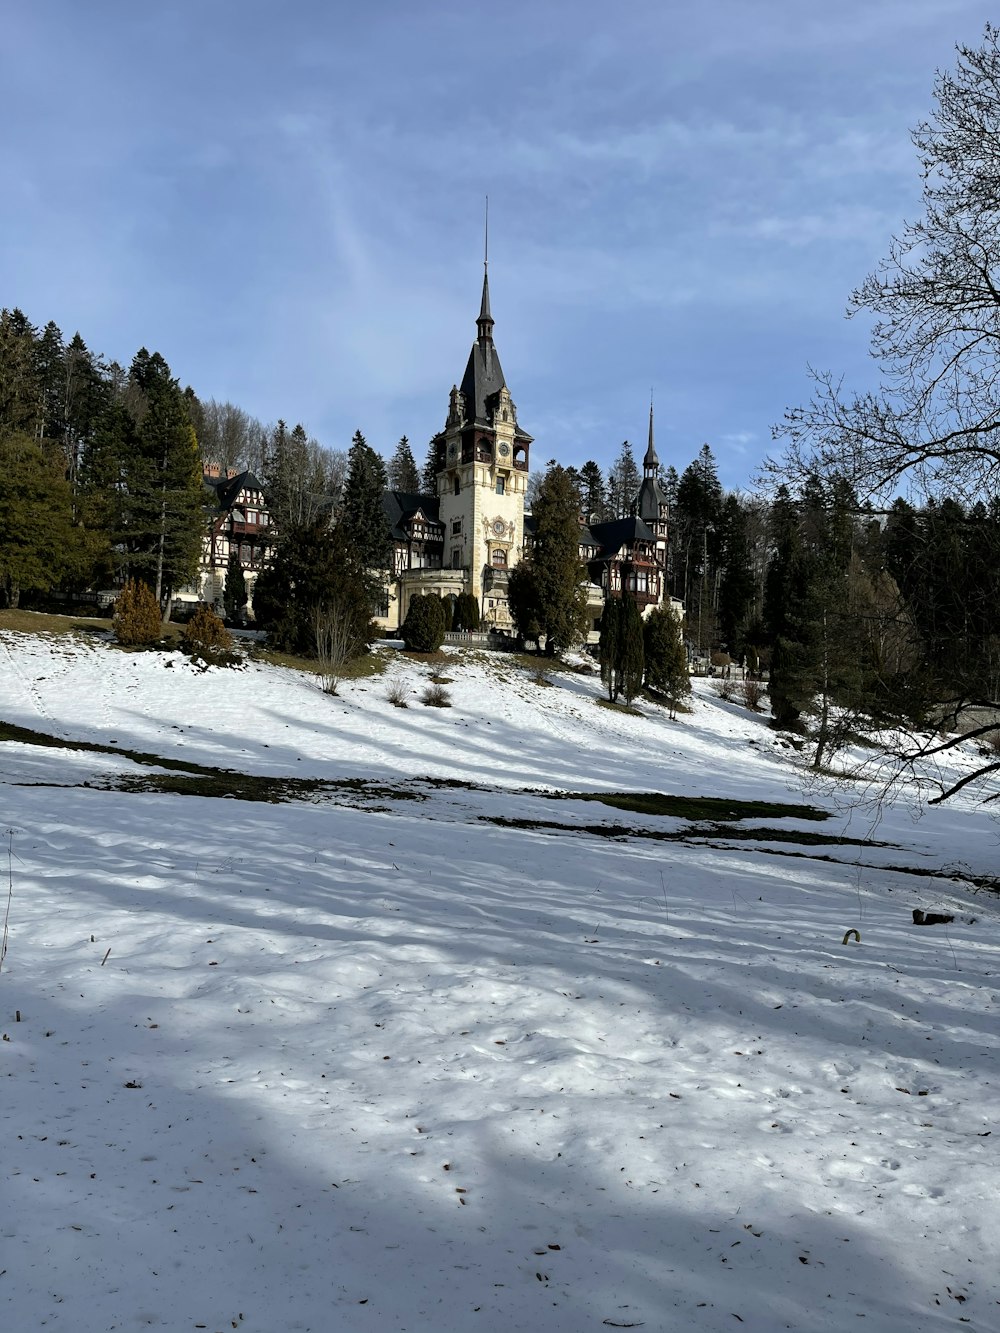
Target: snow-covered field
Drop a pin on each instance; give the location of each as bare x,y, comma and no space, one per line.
372,1060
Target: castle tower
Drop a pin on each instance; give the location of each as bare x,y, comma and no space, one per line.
483,476
652,505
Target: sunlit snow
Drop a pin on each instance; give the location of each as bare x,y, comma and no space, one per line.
368,1060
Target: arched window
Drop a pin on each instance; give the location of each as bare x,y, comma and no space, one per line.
499,558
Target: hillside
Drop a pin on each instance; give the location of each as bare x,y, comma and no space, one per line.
397,1027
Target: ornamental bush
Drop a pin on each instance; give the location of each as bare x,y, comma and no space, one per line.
137,616
423,628
205,635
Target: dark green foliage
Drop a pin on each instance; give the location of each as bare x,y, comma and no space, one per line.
448,609
363,518
632,651
621,649
559,596
737,588
433,465
594,494
522,598
39,543
624,481
666,660
314,566
137,616
403,473
466,613
234,596
423,629
609,646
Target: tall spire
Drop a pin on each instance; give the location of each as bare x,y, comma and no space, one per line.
485,320
650,464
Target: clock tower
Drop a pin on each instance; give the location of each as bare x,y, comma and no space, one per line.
483,476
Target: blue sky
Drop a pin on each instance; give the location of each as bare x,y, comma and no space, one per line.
286,201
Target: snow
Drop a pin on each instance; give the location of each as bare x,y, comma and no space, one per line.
370,1060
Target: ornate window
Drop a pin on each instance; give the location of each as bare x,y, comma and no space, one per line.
499,558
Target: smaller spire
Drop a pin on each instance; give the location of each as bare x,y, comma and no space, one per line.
650,464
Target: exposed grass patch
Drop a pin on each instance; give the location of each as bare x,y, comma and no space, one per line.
371,664
40,622
697,808
619,708
687,834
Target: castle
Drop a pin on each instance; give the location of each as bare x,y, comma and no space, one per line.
468,535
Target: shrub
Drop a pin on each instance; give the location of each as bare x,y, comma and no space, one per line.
137,616
423,628
205,635
436,696
396,692
752,693
727,689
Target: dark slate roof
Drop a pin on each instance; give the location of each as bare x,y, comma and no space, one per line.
226,489
651,496
400,506
610,537
483,378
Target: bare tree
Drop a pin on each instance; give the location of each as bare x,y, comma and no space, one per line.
935,422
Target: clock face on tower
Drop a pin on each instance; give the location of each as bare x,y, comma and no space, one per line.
504,450
499,527
452,452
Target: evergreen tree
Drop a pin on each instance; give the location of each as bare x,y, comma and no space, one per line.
666,661
555,562
314,567
609,647
696,519
621,649
21,398
39,543
632,649
234,595
163,490
423,629
402,470
624,481
595,500
737,587
433,465
363,520
523,600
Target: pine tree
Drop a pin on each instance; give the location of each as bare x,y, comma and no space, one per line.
432,465
609,647
555,562
314,567
157,492
39,543
737,587
624,481
363,519
234,595
595,500
666,661
632,652
402,470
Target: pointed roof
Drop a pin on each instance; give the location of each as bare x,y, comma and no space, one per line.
483,374
651,463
